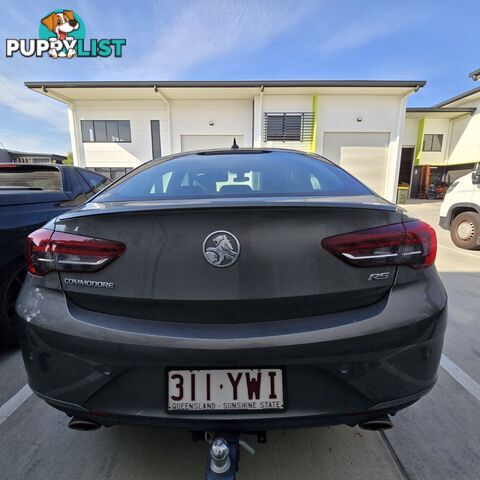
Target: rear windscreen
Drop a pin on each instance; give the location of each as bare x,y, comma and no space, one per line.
30,178
239,174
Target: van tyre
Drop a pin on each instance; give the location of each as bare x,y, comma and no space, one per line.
465,230
10,283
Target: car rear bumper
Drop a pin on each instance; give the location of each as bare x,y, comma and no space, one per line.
339,368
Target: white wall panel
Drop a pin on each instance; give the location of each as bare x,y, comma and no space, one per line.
232,118
139,113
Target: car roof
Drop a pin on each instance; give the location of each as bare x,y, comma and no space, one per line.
240,151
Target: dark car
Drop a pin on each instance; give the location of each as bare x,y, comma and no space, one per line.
30,195
233,290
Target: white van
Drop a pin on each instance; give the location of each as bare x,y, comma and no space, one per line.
460,211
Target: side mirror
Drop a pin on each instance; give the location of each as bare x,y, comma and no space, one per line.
476,175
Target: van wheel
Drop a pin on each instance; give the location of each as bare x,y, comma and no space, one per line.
10,285
465,230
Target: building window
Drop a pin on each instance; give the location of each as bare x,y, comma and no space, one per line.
432,142
106,131
156,143
112,172
288,127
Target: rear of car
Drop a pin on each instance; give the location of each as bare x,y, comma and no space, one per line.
242,291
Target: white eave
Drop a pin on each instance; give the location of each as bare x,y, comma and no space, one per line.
439,112
198,90
461,99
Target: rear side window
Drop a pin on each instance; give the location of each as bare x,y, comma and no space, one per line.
213,175
27,176
94,180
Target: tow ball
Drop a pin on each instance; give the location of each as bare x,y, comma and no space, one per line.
224,455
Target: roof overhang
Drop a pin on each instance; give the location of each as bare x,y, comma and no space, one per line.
472,94
438,112
197,90
475,75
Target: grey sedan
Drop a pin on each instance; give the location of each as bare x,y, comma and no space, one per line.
233,290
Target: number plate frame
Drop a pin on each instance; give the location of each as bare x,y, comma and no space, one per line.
225,412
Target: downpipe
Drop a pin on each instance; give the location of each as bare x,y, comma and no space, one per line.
376,424
82,425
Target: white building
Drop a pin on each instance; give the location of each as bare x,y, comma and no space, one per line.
118,125
445,137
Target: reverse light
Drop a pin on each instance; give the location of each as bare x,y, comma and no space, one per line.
46,251
411,243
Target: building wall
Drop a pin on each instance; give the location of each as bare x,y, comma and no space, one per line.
436,126
367,114
465,138
340,113
230,117
344,115
410,132
139,112
286,104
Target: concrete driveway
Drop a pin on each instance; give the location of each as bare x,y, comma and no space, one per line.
437,438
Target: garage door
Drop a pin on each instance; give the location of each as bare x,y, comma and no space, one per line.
203,142
364,155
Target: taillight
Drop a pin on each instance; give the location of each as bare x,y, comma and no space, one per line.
65,252
411,243
37,252
420,248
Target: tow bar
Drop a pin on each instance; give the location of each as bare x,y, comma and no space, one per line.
224,454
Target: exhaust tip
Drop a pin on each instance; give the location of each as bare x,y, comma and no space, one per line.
82,425
375,424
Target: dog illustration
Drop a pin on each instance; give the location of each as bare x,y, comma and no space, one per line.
62,24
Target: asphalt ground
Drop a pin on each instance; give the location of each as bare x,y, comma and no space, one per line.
437,438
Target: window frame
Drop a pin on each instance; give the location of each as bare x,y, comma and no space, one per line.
105,122
305,127
428,140
156,137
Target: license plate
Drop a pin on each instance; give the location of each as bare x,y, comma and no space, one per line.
225,390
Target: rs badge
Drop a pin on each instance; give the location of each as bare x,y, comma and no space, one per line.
379,276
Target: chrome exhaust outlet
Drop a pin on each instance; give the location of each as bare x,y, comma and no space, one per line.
375,424
83,425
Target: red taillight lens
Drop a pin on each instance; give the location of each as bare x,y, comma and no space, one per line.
66,252
411,243
420,248
37,252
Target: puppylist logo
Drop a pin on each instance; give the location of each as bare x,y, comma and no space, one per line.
62,35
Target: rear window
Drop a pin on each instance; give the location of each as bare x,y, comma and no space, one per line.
23,176
214,175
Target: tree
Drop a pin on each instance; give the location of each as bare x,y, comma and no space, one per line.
69,160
